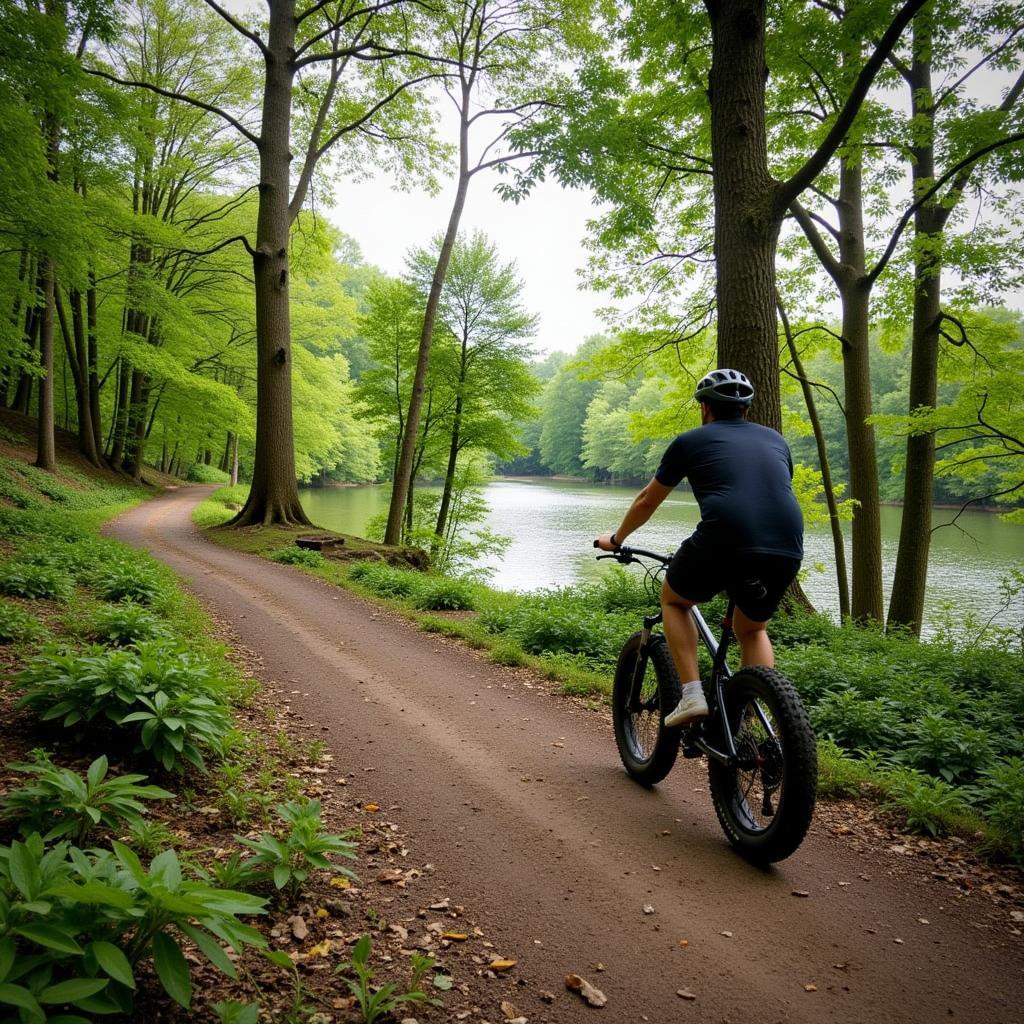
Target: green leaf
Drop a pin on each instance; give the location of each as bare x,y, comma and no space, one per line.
171,969
73,990
165,866
97,771
113,961
278,958
212,949
6,956
15,995
24,870
281,875
50,936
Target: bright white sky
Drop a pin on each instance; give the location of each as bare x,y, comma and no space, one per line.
542,234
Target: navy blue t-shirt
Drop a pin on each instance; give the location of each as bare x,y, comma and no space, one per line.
741,475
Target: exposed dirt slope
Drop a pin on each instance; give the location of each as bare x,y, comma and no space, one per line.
517,797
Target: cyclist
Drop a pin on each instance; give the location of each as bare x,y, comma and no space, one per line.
749,541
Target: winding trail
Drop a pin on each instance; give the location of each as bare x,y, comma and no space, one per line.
517,797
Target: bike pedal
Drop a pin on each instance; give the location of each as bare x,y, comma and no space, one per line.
691,751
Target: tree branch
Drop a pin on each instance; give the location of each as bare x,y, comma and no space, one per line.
249,34
791,189
180,96
817,243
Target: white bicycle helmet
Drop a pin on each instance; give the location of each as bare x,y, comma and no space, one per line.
725,386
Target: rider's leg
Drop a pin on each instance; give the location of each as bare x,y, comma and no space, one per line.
755,647
681,634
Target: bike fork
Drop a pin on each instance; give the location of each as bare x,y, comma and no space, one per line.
650,621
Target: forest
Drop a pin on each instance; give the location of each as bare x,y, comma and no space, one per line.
176,293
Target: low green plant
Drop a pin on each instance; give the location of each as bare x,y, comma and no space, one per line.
299,556
856,723
288,861
950,750
233,1012
200,473
374,1002
1001,791
62,803
442,593
16,625
148,837
930,805
125,624
37,582
177,726
386,581
126,582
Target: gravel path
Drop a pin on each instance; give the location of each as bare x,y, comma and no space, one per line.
517,797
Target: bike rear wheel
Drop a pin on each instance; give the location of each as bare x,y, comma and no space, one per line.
647,747
765,804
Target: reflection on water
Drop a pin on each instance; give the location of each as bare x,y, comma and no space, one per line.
552,524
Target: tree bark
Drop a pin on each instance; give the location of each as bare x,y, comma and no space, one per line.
746,222
22,400
403,476
274,495
46,448
92,348
86,430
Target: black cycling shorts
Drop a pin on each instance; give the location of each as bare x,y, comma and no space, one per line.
755,582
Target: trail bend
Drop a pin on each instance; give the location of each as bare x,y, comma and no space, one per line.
517,797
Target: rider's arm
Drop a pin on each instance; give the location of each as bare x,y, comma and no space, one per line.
643,507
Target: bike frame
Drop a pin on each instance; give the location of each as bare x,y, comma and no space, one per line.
695,740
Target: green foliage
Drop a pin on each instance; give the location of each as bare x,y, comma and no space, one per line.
930,804
945,748
386,581
62,803
126,624
200,473
375,1002
37,582
442,593
16,625
237,1013
170,700
288,861
1001,792
126,582
855,722
299,556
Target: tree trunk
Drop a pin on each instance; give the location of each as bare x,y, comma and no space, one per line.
92,348
135,444
838,543
10,368
274,496
86,431
746,222
22,400
449,476
120,419
46,448
234,460
906,603
403,476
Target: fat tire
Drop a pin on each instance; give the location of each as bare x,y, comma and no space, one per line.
793,815
652,769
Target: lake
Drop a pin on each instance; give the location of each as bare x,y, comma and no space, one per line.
552,524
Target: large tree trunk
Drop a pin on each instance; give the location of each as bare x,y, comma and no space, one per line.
46,449
92,347
22,400
274,495
404,473
120,417
135,442
449,476
86,430
746,221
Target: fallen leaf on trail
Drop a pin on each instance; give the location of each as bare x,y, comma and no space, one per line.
800,892
923,920
508,1010
345,1003
390,876
1017,915
298,926
502,965
371,807
685,993
455,936
683,943
341,883
648,909
547,997
810,987
320,949
590,995
322,912
728,935
440,904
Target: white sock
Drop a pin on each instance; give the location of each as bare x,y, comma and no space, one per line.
693,688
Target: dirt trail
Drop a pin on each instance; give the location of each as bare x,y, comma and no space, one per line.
518,799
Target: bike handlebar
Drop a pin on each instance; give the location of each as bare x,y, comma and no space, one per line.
626,555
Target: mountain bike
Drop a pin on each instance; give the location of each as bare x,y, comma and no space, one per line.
761,751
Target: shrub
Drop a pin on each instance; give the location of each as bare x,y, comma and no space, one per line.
200,473
386,581
377,1002
124,581
299,556
1001,792
930,805
620,590
856,723
16,624
172,701
65,804
948,749
289,861
442,593
126,624
22,579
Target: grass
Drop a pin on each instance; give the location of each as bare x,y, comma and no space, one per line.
931,729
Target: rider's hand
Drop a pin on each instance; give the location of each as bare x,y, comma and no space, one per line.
605,543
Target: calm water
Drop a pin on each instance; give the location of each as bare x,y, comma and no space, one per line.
553,523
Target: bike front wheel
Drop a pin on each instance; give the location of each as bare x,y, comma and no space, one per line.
647,747
766,801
